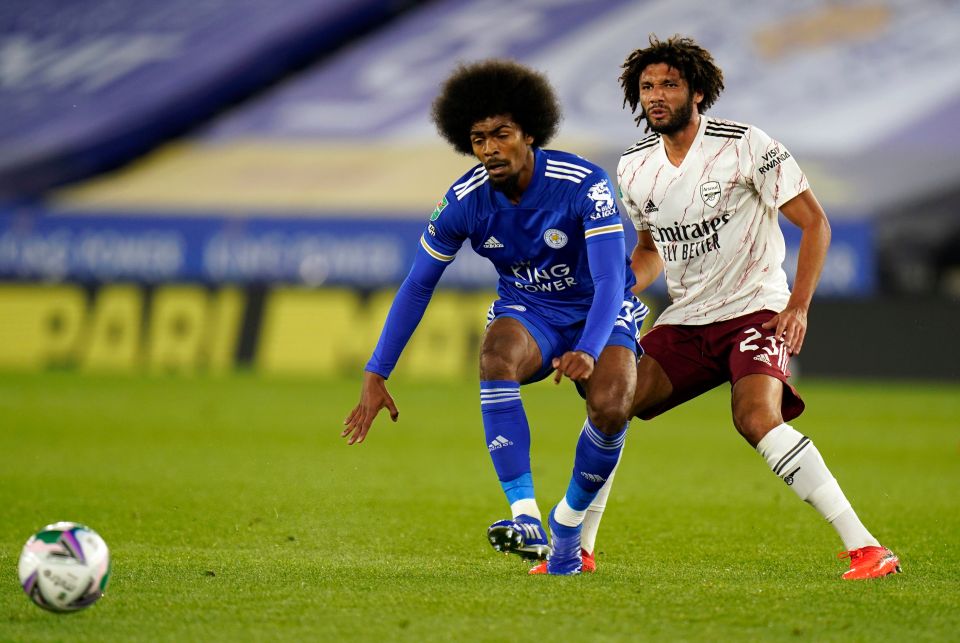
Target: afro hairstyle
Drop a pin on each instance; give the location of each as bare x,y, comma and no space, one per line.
495,87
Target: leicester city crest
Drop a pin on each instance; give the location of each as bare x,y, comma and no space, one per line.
554,238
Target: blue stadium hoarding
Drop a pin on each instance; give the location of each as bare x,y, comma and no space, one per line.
330,251
366,253
850,269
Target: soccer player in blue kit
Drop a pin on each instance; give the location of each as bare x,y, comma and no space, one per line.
548,221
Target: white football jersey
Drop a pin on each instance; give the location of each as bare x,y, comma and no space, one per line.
714,218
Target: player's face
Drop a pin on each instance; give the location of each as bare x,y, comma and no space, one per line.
505,152
666,99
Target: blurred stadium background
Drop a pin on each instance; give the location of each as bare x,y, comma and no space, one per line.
200,186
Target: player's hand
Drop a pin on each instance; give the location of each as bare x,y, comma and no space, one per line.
373,397
791,327
576,365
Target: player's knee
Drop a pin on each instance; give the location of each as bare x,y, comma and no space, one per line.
609,423
609,411
755,422
494,366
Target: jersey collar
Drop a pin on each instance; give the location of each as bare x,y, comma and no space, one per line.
530,194
694,146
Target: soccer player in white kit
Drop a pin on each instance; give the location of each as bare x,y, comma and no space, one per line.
704,194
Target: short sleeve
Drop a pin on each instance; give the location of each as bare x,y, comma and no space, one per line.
629,205
776,176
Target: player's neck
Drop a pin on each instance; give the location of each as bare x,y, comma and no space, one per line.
677,145
515,192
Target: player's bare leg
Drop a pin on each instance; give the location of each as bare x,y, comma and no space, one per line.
653,386
795,459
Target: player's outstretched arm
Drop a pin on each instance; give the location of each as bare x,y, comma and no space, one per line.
404,316
803,211
645,261
373,397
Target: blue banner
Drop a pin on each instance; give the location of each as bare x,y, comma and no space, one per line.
357,252
156,249
850,268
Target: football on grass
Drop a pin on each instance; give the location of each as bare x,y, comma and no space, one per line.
64,567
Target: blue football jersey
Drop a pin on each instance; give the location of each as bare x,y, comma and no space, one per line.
539,245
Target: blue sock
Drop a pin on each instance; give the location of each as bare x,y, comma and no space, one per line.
508,437
596,458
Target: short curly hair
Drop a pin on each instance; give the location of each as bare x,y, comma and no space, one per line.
694,63
495,87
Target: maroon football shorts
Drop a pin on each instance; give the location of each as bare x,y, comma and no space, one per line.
699,358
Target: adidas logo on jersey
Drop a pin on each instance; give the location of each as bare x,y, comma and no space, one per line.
762,357
498,443
492,243
650,207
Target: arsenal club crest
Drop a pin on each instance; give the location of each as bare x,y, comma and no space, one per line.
710,192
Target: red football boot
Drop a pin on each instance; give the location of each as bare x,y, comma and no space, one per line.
870,562
589,565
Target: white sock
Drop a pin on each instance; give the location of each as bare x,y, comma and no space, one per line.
852,531
591,522
567,515
525,506
795,459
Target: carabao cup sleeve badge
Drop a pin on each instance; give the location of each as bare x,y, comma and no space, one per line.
441,204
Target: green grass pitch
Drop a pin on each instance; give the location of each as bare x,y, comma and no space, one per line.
234,511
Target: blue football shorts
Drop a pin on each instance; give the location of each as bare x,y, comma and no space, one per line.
554,341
